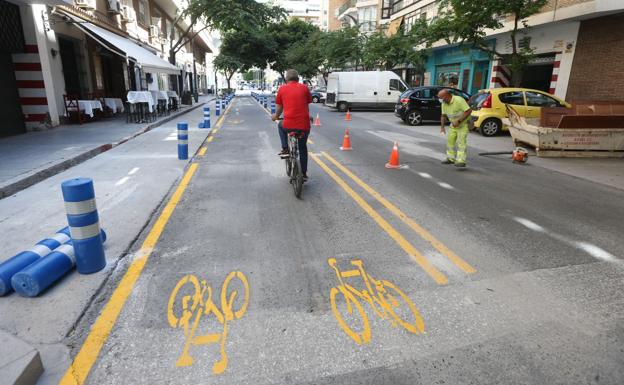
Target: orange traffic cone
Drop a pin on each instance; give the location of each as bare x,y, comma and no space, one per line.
317,121
348,117
394,157
346,142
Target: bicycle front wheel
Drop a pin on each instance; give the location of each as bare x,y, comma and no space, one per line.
288,166
400,307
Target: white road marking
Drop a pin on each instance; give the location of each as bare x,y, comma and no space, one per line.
424,175
133,171
122,181
529,224
596,251
446,186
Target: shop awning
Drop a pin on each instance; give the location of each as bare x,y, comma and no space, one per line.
393,26
134,52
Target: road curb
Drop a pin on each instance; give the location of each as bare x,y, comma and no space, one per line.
16,186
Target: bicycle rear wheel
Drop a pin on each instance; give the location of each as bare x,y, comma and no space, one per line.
296,178
288,166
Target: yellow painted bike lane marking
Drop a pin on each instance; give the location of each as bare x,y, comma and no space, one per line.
422,232
80,367
423,262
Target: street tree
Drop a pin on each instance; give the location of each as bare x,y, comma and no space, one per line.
462,21
341,49
217,15
228,65
283,36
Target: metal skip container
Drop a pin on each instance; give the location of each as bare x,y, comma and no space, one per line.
84,224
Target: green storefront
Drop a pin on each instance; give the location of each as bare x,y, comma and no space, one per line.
458,67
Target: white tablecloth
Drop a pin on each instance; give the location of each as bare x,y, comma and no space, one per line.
173,94
114,104
89,105
141,97
160,95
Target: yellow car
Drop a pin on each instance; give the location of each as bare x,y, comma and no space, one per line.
488,106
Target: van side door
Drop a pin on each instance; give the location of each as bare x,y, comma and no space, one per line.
389,96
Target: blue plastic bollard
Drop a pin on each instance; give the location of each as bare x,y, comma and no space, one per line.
40,275
206,122
182,141
265,102
84,224
272,106
217,108
21,260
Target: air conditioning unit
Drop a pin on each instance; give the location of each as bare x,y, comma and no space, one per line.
127,14
86,4
114,6
154,32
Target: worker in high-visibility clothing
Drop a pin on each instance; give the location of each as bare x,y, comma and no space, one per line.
457,112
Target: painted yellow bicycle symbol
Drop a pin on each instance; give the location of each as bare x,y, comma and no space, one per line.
383,296
198,304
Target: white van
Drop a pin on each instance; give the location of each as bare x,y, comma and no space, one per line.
364,89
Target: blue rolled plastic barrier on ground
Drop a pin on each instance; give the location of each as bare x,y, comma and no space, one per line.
182,141
21,260
40,275
84,225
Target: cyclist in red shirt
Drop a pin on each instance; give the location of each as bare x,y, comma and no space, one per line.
292,99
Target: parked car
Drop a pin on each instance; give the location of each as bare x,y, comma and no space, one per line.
363,89
319,94
419,104
488,106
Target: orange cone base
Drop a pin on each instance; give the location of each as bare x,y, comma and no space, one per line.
346,148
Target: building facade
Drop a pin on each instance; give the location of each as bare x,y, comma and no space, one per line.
563,50
360,13
91,47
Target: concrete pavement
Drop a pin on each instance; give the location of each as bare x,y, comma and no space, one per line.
542,302
130,183
32,157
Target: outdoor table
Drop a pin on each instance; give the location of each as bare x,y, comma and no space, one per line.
173,95
142,98
115,104
89,105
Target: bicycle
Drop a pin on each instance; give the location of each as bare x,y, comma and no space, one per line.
293,164
384,303
200,304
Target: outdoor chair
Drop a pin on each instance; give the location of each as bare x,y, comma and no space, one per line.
72,108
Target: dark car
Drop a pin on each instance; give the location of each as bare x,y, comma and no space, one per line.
318,95
421,103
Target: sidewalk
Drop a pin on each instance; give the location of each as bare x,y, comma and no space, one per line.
32,157
131,181
608,171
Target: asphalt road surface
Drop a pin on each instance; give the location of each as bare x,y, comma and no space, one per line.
499,274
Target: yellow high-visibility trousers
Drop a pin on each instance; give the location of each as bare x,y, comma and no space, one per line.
457,136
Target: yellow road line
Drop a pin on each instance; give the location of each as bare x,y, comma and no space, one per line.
202,151
77,373
433,272
459,262
310,141
210,138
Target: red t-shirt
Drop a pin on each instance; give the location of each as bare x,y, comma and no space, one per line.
295,97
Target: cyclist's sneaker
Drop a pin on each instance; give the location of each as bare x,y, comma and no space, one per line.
305,177
283,154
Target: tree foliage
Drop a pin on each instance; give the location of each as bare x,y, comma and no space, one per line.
219,15
227,64
463,21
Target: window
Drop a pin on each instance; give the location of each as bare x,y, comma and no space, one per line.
540,100
396,85
143,14
514,97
